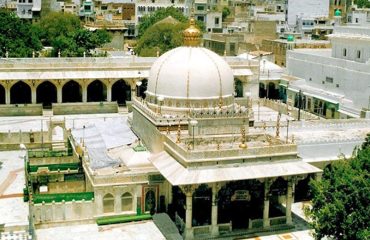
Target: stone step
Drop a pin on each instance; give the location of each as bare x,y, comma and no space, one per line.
166,226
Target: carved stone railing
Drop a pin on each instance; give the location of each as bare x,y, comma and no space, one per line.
225,227
202,230
255,223
277,221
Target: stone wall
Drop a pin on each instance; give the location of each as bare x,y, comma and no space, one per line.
147,132
63,211
83,108
64,187
21,110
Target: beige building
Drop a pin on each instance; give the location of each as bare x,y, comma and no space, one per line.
279,47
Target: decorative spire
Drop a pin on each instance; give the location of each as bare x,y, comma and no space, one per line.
192,35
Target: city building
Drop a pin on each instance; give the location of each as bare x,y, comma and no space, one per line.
306,9
334,82
279,47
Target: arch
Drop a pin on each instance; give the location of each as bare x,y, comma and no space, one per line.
142,89
20,93
108,203
46,93
72,92
96,91
271,91
2,94
57,134
277,190
262,90
239,201
150,201
121,92
202,205
126,202
238,88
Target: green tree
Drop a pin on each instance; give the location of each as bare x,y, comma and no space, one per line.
160,37
64,32
150,19
225,13
340,204
363,3
18,38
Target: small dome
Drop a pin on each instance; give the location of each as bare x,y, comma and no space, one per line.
192,35
190,73
338,13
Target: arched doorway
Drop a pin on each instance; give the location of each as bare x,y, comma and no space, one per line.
126,202
240,201
108,203
278,190
302,190
72,92
271,91
142,88
178,203
96,91
150,201
238,88
202,205
121,92
262,91
20,93
2,94
46,93
57,134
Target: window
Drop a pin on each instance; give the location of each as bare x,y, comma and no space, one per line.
329,79
200,8
337,85
126,202
358,54
344,52
104,7
217,21
108,203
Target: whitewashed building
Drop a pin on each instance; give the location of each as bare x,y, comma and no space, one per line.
335,82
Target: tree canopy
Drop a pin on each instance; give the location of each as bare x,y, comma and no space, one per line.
150,19
18,38
64,32
363,3
160,38
340,204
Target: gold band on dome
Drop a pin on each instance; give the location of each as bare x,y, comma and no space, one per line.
192,35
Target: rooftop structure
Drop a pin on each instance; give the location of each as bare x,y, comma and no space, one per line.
333,85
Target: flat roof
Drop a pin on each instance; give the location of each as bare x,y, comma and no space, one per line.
177,174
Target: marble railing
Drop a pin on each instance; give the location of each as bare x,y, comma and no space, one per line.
229,154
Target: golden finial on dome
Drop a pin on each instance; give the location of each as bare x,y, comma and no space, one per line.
192,35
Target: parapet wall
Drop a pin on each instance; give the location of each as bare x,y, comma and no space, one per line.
63,211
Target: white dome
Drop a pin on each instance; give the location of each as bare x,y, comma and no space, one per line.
192,73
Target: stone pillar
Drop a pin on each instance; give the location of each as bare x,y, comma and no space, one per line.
288,211
117,203
84,93
214,226
266,205
188,190
99,203
109,92
33,95
7,95
59,94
